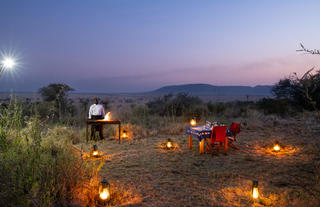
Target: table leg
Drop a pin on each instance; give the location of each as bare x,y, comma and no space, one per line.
102,129
226,146
190,141
202,146
119,132
87,132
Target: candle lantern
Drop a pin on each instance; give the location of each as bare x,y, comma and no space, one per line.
193,121
104,190
124,134
95,151
255,192
276,147
169,144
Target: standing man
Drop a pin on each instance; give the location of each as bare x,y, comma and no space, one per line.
96,111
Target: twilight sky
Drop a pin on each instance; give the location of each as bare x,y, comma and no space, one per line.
134,46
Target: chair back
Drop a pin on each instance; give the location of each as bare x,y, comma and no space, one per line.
235,128
219,134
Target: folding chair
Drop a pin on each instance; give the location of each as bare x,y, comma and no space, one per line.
218,139
235,130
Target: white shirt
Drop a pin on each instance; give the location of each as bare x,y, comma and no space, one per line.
96,110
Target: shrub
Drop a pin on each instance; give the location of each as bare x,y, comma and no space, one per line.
301,93
274,106
170,105
216,108
37,164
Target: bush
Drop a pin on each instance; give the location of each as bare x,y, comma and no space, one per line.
300,93
37,164
279,107
170,105
216,108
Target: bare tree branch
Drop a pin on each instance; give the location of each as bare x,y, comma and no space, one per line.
308,51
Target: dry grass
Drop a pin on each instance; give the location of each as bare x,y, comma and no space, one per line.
149,175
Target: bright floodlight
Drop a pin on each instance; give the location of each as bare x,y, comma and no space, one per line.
8,62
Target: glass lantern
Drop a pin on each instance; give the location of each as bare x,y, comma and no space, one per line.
255,192
104,190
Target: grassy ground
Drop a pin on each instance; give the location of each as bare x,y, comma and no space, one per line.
147,175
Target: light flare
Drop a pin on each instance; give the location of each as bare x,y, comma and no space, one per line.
8,62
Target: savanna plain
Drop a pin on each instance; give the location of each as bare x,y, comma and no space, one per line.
45,158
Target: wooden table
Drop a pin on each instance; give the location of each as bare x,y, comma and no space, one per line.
202,133
202,144
103,122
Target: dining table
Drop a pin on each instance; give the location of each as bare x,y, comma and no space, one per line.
202,132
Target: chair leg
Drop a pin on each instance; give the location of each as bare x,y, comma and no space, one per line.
230,142
234,146
226,146
208,145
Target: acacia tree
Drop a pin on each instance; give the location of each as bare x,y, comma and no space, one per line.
302,92
57,94
310,88
311,83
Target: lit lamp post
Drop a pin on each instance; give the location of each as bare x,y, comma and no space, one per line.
104,190
6,63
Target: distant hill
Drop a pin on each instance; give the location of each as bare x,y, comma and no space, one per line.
206,89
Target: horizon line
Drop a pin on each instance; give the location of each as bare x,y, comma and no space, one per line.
127,92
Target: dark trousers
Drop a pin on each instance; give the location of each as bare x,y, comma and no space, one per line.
96,127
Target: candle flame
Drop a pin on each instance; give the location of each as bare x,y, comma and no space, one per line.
193,122
169,145
107,116
255,193
104,194
276,147
95,153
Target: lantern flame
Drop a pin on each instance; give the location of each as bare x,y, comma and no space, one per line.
193,122
169,144
276,147
124,134
255,192
104,194
107,116
95,153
